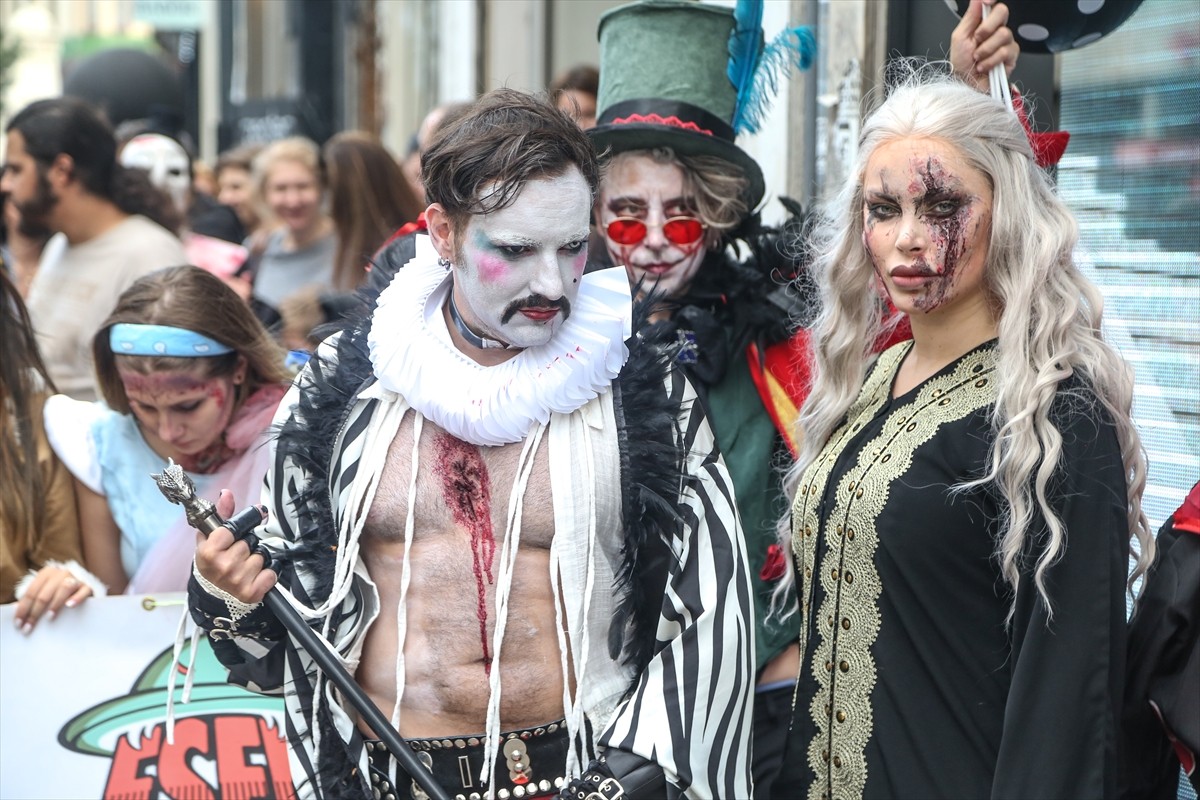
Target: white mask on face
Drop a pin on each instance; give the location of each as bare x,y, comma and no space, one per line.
520,266
165,160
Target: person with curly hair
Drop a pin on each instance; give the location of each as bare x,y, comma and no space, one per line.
965,503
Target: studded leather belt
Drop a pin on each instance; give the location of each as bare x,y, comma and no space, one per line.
529,765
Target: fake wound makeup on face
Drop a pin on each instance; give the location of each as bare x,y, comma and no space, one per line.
934,183
159,383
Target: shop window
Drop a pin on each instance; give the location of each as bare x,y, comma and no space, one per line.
1131,102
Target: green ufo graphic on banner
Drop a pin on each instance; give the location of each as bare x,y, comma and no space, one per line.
97,730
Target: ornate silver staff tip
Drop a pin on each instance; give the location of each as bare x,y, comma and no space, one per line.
176,485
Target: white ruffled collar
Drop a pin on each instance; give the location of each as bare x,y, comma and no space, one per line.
413,355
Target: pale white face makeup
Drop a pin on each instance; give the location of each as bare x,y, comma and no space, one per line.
638,186
165,160
518,268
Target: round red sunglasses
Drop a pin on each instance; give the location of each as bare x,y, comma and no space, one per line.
676,230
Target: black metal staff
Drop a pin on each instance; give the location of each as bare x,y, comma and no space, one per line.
177,486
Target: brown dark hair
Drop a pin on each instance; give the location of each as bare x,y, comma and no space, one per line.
72,127
241,157
369,199
195,300
579,78
23,380
506,138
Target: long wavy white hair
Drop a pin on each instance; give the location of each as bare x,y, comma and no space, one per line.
1049,315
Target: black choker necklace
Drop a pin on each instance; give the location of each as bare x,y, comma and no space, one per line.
473,339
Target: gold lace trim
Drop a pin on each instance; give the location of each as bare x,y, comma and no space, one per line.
848,619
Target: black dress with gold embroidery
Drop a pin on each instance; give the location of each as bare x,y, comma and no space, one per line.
912,685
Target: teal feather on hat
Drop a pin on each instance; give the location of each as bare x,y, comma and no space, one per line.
755,68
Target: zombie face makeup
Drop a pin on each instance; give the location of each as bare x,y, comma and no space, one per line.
165,160
293,194
926,223
181,415
642,188
517,270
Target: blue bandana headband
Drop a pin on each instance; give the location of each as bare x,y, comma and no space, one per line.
127,339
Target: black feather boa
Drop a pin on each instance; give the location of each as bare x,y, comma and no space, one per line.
649,438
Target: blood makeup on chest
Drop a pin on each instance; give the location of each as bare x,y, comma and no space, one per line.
467,490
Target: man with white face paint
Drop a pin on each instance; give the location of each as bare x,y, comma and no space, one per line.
508,515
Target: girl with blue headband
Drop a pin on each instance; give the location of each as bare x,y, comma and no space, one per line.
189,374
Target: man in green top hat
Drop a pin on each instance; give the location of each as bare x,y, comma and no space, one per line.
679,80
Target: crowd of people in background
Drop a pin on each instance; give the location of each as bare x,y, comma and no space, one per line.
99,223
154,307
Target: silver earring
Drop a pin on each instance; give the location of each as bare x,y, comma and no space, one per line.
444,263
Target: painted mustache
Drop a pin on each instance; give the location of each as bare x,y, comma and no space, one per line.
535,301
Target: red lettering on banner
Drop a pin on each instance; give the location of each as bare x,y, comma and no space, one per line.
193,739
277,760
237,738
128,778
247,756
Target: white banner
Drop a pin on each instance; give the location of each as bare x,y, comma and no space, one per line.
85,709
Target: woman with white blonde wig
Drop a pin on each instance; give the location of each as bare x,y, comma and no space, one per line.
965,503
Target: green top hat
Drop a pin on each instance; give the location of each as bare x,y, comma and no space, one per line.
667,79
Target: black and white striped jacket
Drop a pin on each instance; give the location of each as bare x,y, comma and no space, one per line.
681,636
